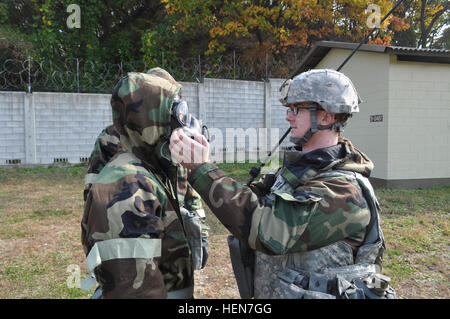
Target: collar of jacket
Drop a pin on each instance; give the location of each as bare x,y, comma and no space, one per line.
299,167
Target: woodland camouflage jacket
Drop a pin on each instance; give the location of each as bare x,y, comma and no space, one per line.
312,212
107,145
132,229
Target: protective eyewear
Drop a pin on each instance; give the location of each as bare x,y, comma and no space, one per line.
295,109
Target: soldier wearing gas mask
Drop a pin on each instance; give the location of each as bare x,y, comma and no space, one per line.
143,226
313,226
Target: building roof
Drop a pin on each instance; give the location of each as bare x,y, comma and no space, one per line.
321,48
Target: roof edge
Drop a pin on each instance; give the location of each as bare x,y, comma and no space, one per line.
321,49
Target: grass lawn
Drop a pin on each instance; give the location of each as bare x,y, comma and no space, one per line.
41,253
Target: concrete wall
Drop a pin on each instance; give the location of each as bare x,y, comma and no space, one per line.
43,128
231,105
12,127
278,111
67,125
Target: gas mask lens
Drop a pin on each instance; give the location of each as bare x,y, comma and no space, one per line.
205,132
181,118
181,112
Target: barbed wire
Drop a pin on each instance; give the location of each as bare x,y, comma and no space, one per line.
77,75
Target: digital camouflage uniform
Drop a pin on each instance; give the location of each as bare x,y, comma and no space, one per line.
313,217
139,209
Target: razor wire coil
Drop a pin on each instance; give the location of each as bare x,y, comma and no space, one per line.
77,75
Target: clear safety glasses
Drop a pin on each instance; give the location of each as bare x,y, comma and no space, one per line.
295,109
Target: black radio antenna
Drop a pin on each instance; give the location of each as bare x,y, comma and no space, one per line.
255,171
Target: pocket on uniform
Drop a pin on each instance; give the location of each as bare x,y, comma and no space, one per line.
298,196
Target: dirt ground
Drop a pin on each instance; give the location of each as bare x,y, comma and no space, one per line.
217,279
40,239
34,265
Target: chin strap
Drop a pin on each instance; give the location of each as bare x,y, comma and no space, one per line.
300,141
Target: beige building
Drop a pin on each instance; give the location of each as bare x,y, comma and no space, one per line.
404,120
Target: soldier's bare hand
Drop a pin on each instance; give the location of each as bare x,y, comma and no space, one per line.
189,152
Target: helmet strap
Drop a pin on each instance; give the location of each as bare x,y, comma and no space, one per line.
314,127
313,116
338,125
300,141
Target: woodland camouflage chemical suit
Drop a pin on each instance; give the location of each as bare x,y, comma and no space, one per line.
315,226
141,228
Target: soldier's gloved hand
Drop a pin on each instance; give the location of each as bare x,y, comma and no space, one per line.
267,183
205,251
263,186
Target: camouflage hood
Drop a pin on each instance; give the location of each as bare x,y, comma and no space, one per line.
141,106
343,156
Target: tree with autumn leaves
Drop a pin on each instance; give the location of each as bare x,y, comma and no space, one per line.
428,24
115,31
270,25
256,28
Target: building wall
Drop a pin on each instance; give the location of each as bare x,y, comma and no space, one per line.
419,120
189,92
369,73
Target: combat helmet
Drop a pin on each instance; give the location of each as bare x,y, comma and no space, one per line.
326,89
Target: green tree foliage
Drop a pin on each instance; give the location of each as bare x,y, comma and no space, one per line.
12,41
110,31
254,28
443,42
159,31
426,21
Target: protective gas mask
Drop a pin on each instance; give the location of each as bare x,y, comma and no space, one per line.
182,118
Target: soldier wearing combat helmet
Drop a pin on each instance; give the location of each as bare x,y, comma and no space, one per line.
313,225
